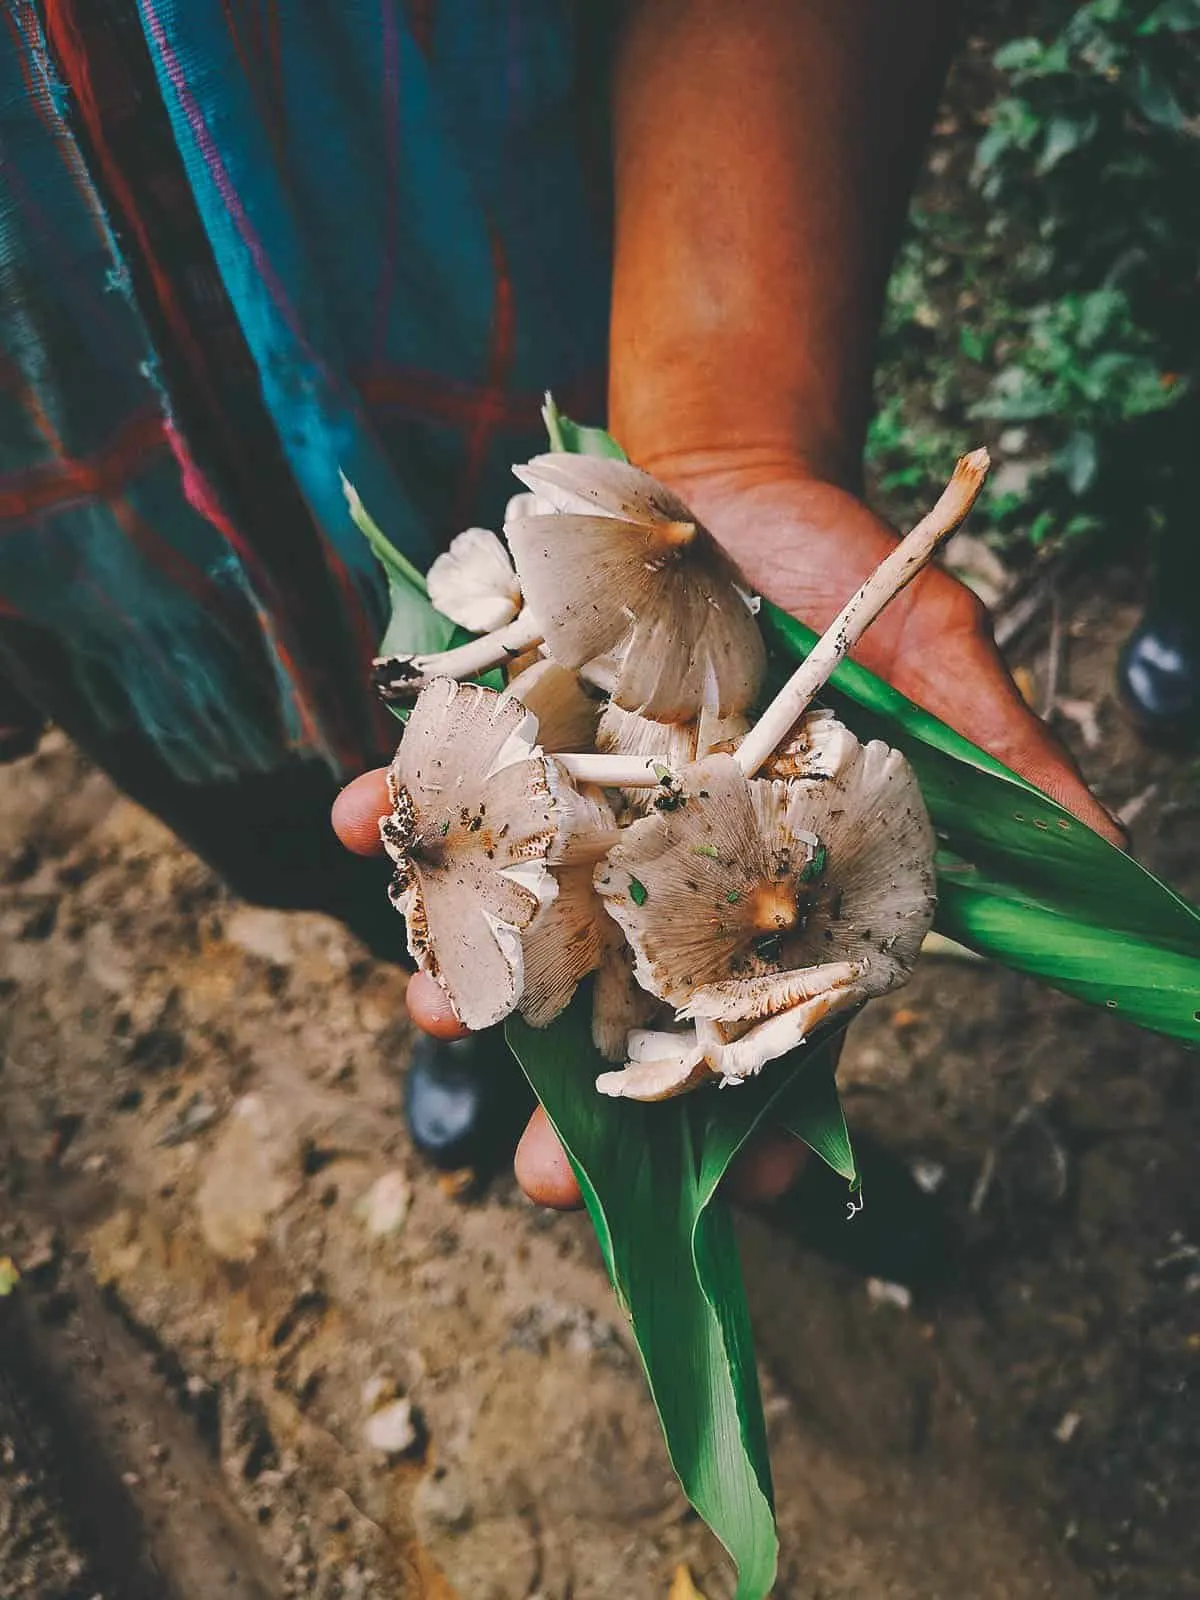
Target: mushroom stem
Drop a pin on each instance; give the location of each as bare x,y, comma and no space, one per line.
403,677
893,574
616,772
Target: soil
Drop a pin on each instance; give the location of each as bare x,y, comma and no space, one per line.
257,1350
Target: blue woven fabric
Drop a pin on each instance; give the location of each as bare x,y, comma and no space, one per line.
245,246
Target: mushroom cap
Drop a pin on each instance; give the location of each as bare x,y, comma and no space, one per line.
675,744
619,1003
566,941
479,816
662,1064
567,715
473,582
755,896
623,570
815,747
474,820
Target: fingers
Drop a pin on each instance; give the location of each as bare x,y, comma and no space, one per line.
357,810
766,1169
946,659
542,1168
430,1009
1018,736
763,1172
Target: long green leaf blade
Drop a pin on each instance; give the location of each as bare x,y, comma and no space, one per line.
1022,880
811,1109
669,1249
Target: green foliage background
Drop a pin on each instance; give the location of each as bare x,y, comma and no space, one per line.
1047,296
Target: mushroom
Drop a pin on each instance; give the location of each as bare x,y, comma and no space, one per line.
479,817
622,575
619,1003
474,582
567,940
776,904
400,679
567,715
670,745
760,908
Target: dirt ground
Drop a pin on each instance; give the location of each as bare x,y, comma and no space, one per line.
257,1350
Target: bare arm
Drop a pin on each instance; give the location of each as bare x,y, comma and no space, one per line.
764,151
764,157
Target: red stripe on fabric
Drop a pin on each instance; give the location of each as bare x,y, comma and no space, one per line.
103,475
22,23
429,397
389,57
420,20
258,60
491,402
219,173
75,64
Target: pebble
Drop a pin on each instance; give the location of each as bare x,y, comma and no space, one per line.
385,1205
251,1174
262,933
882,1293
392,1430
1067,1427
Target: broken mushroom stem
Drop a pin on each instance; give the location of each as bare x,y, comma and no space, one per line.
403,677
617,772
894,573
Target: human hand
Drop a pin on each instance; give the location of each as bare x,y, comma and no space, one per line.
807,545
541,1165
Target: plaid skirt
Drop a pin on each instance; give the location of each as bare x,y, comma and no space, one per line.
246,245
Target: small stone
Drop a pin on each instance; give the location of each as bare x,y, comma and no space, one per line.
928,1175
385,1205
41,1258
392,1430
266,934
1067,1427
199,1113
457,1185
882,1293
253,1171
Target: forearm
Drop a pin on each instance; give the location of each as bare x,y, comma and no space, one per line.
764,151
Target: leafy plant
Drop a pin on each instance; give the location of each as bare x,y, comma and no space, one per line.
1050,286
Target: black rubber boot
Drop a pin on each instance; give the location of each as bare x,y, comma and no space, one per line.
466,1102
1159,676
1159,671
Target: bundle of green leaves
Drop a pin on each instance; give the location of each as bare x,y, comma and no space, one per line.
1019,880
1048,280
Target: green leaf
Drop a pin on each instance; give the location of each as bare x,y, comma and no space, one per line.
414,627
393,561
1064,134
1175,16
1156,99
577,440
811,1109
650,1176
1079,459
1022,880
